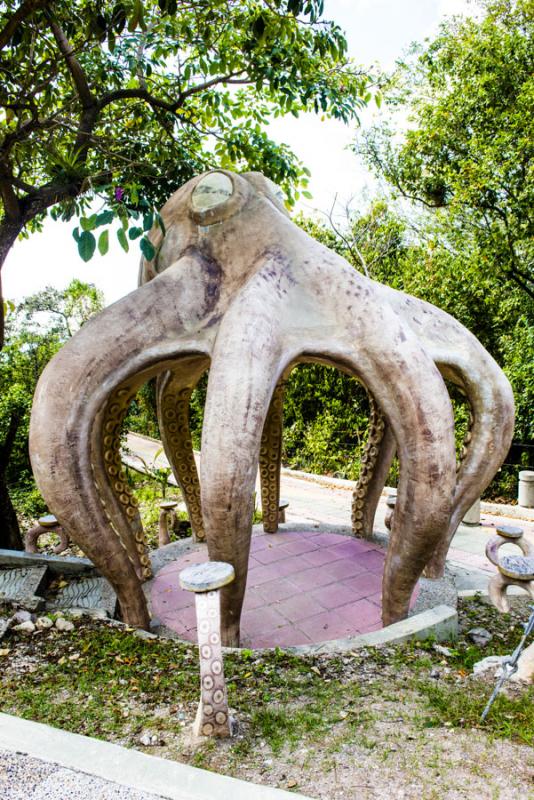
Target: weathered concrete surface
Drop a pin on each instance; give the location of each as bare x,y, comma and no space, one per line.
87,593
56,564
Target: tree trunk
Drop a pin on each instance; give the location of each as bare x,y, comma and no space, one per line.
10,537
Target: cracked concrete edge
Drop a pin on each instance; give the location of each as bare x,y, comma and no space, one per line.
168,779
56,564
440,623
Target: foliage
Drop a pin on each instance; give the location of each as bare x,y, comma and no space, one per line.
63,312
125,100
35,330
468,147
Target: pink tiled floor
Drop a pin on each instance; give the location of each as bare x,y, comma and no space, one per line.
303,587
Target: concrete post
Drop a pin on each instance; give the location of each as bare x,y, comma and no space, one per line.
526,489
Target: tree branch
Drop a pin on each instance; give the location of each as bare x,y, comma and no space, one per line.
22,13
78,75
9,198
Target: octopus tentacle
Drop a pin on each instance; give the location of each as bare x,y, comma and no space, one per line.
365,496
174,391
111,482
243,376
271,458
83,389
488,439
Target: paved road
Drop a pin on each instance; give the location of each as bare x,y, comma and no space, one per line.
316,500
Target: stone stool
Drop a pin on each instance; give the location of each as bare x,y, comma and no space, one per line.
167,515
390,503
472,515
282,506
45,525
205,580
514,570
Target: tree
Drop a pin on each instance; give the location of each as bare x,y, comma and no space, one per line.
34,333
126,100
467,153
64,311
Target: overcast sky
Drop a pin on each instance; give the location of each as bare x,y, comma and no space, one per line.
377,31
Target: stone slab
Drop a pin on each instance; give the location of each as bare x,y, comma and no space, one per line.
206,577
22,584
87,593
56,564
127,767
520,567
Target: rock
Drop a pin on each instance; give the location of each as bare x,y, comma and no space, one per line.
5,624
480,636
22,616
149,739
25,627
435,673
63,624
525,666
489,664
443,651
43,623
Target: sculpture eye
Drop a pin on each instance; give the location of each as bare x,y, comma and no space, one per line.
211,191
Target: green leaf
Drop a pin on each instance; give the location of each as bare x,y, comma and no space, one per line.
88,223
103,242
135,233
123,241
148,221
147,248
86,245
104,218
76,235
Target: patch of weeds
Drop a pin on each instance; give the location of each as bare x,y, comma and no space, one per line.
201,757
510,717
277,725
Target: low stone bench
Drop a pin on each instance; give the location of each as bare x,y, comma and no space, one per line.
514,570
45,525
282,507
167,518
205,580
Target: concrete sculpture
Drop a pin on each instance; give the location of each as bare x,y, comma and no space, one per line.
237,287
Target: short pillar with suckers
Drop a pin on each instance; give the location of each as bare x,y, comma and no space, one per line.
205,580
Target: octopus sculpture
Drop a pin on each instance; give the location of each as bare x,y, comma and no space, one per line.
237,288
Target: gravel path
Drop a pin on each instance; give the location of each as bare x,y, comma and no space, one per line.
26,778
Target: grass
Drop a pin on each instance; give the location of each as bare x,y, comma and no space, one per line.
104,681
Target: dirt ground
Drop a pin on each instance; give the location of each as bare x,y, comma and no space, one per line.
398,722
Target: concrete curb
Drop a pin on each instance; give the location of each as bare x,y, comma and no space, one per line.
168,779
440,622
